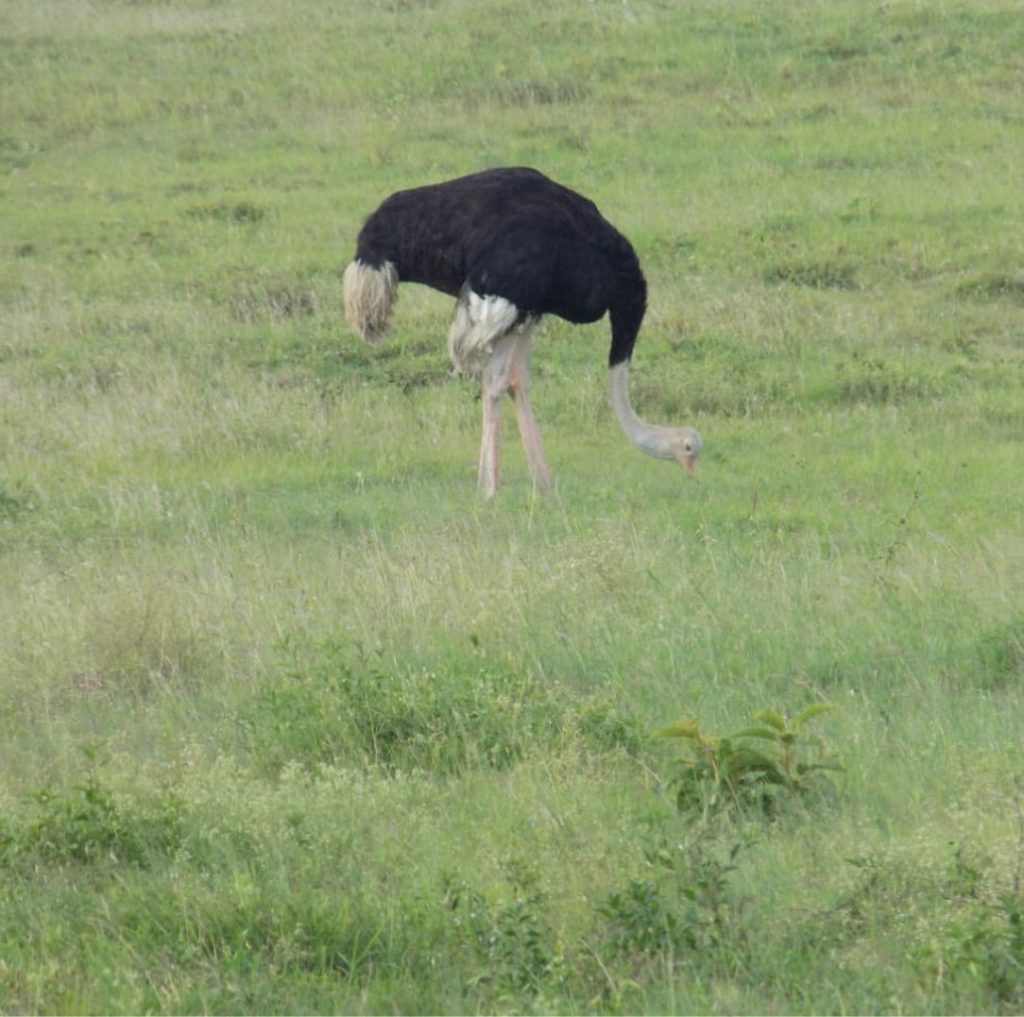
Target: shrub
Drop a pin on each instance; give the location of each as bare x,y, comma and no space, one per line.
683,910
758,763
510,943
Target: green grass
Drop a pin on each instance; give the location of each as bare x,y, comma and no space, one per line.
289,722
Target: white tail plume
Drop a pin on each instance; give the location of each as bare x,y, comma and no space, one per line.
369,294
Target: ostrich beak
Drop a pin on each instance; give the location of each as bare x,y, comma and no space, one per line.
687,460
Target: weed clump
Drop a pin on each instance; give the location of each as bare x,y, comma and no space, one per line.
984,946
818,275
335,706
685,907
510,944
89,824
993,286
240,213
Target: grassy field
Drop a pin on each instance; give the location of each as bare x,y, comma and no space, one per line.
292,723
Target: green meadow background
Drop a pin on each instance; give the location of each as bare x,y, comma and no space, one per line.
290,722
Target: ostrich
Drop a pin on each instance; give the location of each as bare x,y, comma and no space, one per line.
510,245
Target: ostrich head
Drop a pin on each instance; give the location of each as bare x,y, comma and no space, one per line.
682,444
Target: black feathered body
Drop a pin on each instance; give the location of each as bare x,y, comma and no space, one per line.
514,234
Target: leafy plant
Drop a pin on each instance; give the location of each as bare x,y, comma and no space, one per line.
759,762
88,824
639,920
984,945
511,941
687,906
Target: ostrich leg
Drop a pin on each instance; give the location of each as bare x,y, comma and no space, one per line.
487,472
519,390
495,381
507,370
